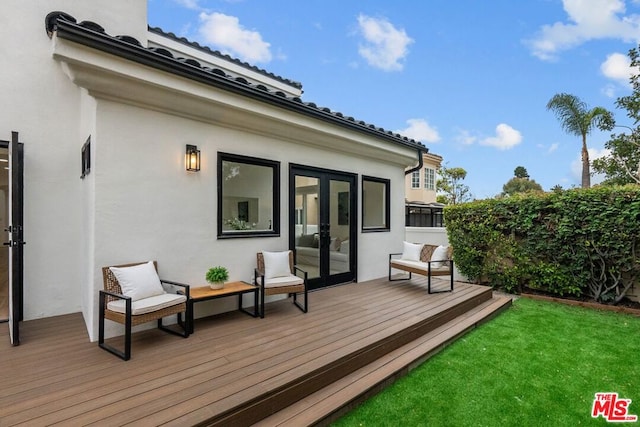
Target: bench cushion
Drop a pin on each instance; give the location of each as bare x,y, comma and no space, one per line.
439,256
417,265
411,251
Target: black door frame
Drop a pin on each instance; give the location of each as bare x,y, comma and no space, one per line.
16,232
325,176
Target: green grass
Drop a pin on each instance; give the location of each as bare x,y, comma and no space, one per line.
537,364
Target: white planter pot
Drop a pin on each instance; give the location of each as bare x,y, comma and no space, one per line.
216,285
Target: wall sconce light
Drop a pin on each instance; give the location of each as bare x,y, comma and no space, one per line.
192,158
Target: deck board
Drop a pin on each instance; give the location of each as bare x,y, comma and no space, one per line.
57,376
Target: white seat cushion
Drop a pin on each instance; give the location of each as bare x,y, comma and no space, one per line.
139,281
277,282
147,305
418,264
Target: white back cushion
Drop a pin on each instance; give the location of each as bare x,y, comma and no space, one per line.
438,256
138,282
411,251
276,264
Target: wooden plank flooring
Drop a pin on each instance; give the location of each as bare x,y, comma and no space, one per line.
234,370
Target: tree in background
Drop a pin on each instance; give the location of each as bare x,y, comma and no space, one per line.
520,172
520,183
622,165
577,119
450,183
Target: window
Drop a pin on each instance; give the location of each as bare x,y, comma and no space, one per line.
415,179
375,204
248,196
423,216
429,179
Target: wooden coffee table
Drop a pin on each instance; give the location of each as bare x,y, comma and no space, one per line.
205,293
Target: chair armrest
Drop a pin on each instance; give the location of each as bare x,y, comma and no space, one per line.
115,295
444,261
257,273
394,254
296,268
181,285
102,301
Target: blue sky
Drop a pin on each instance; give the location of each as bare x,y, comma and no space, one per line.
468,78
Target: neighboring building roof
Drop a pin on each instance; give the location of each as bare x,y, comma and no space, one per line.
419,204
221,55
93,35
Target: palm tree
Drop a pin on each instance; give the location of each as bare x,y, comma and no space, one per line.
576,119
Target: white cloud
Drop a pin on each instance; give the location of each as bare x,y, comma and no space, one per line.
226,33
609,90
465,137
505,139
576,165
553,147
384,45
190,4
617,67
420,130
587,20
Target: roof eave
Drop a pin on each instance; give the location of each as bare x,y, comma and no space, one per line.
129,48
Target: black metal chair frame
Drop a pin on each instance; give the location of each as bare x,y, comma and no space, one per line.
126,354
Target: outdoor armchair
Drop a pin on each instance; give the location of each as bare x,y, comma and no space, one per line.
134,294
276,274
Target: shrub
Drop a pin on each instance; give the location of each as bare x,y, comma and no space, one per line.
575,242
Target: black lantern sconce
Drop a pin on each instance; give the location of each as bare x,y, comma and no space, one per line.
192,158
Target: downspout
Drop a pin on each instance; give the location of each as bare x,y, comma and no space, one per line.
420,161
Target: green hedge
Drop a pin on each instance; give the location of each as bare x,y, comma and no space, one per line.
574,242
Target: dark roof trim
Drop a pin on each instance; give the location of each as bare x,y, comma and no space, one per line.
93,35
209,51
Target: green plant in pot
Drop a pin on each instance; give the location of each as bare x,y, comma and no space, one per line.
216,276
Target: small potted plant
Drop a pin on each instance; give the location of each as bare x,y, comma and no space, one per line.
216,276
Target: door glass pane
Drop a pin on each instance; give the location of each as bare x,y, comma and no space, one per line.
339,220
4,223
307,218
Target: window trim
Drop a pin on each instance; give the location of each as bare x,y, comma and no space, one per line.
427,172
387,205
275,165
413,181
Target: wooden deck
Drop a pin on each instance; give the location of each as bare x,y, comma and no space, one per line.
289,368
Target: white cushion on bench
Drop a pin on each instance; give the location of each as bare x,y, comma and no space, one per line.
439,256
418,264
411,251
147,305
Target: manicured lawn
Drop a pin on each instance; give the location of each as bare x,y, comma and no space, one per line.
537,364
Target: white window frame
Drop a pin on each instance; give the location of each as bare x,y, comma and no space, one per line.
429,179
415,179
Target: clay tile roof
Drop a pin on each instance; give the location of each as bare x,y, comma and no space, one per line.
93,35
226,57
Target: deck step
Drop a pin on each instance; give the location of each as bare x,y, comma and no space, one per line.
336,399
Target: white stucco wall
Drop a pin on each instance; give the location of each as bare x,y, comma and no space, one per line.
149,207
40,102
138,202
